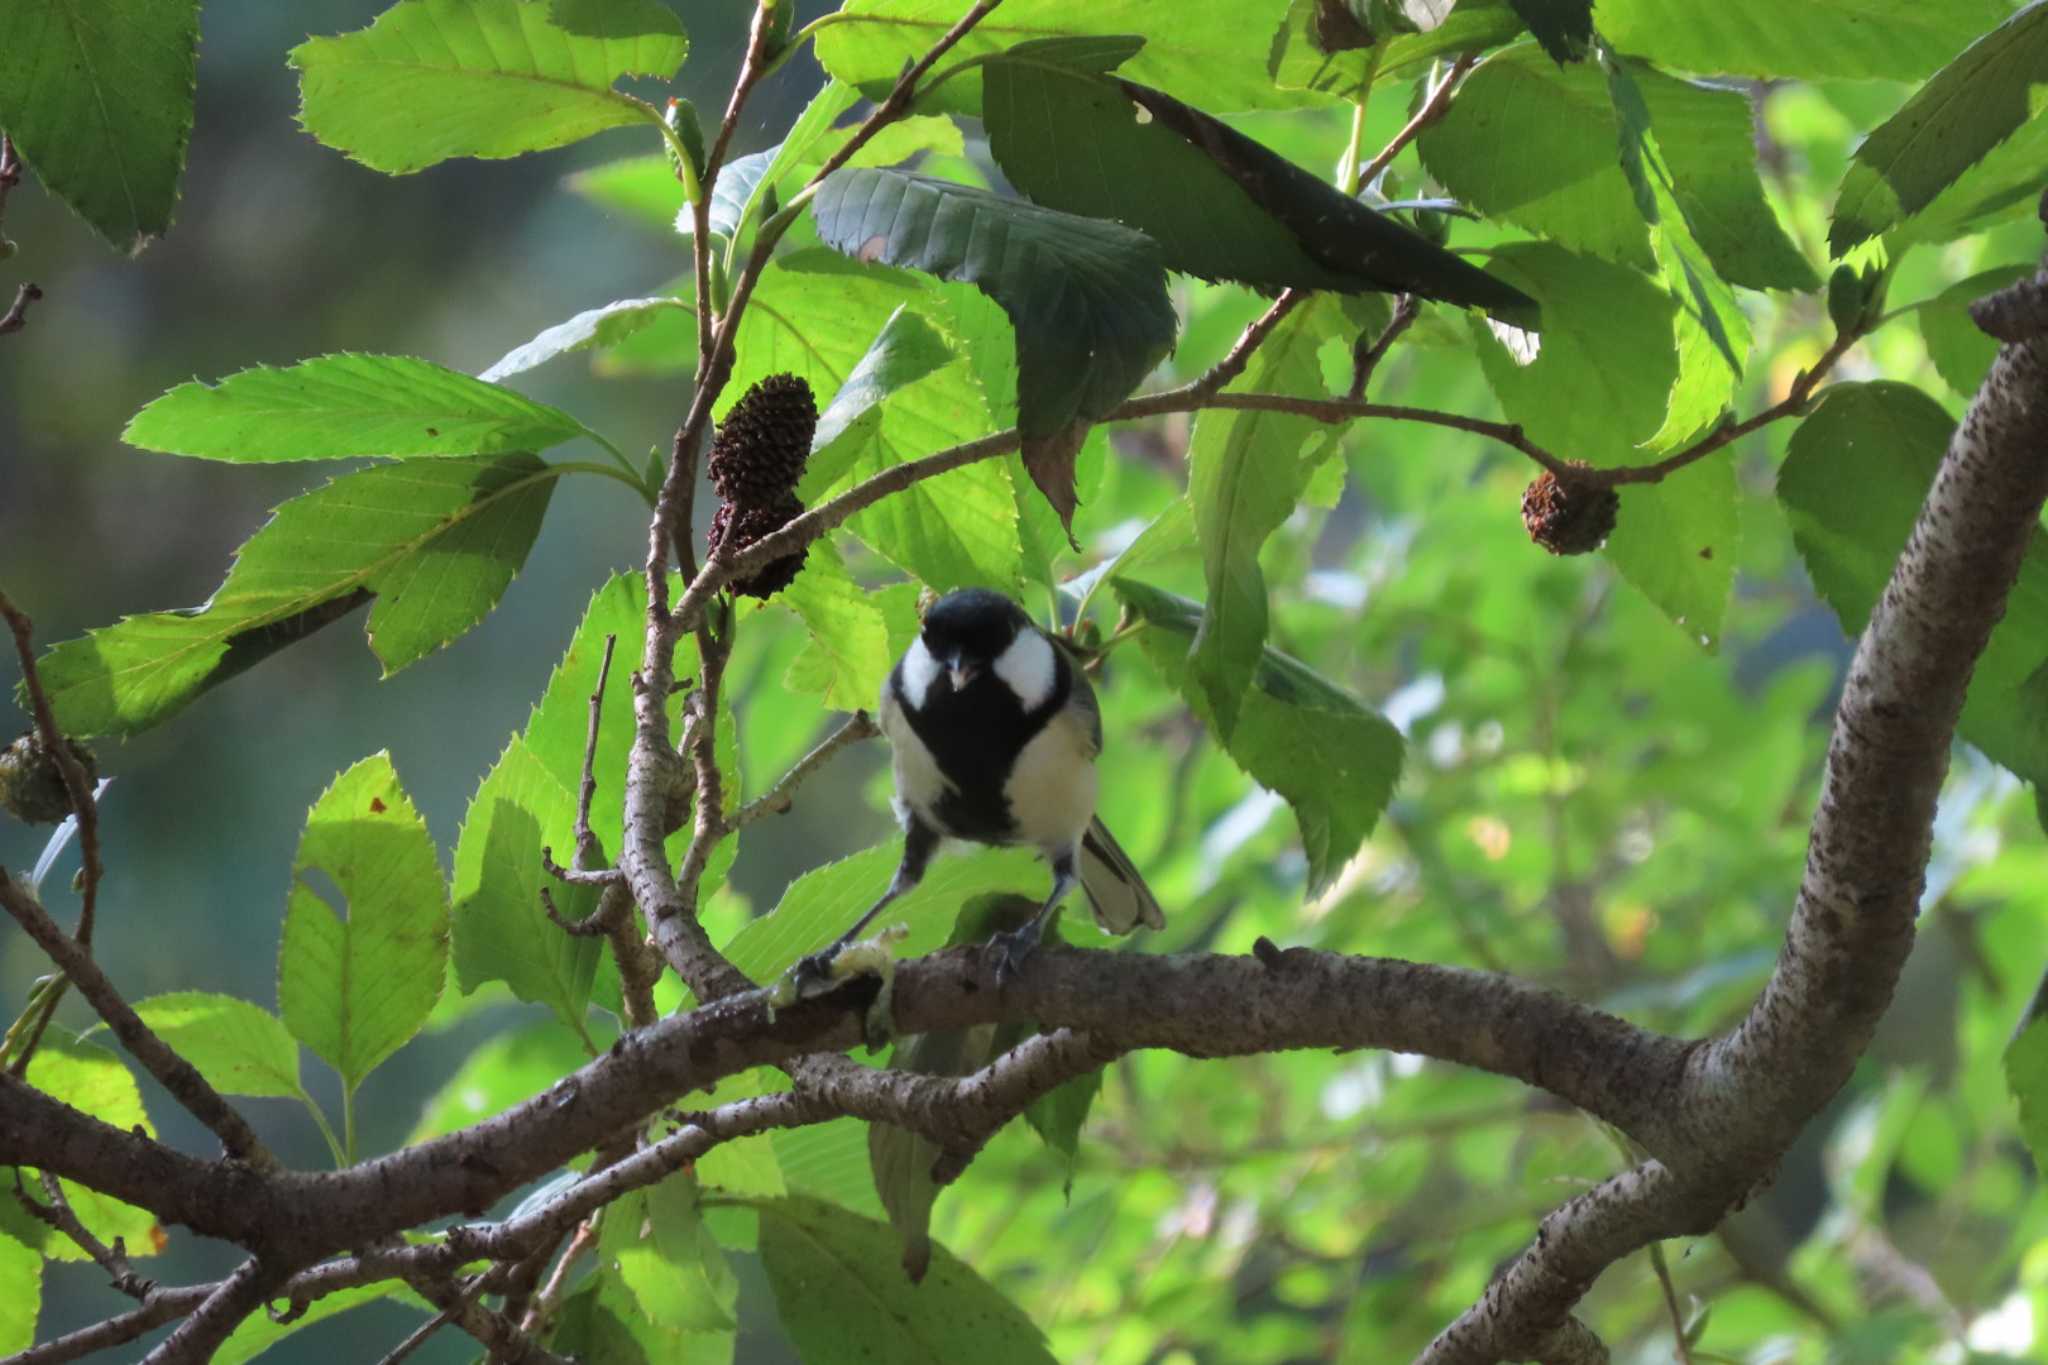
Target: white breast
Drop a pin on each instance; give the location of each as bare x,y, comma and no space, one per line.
919,783
1052,784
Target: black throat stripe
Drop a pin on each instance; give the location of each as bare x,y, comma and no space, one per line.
975,736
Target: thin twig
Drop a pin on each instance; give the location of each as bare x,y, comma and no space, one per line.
176,1074
1663,1269
1240,353
197,1338
1432,109
16,316
1366,356
549,1300
77,782
417,1337
588,854
752,68
778,798
59,1214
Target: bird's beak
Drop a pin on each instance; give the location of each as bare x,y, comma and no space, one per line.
960,673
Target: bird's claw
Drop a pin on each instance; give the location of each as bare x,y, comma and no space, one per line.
1008,951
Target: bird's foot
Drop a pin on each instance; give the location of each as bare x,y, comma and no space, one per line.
821,971
1009,951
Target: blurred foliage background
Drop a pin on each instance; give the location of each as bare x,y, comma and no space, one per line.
1590,799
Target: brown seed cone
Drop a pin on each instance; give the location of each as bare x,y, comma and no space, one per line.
1567,516
736,526
32,785
758,455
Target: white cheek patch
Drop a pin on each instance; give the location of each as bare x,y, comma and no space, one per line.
1028,668
920,670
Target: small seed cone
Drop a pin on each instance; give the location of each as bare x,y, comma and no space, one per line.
759,453
737,525
1568,516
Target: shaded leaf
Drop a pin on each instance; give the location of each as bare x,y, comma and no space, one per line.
1334,760
1852,483
1219,204
433,79
847,655
506,1069
1087,298
356,981
260,1331
436,542
1961,352
2026,1079
842,1295
1564,27
349,404
97,98
1296,61
643,189
657,1241
1854,39
1246,471
1950,123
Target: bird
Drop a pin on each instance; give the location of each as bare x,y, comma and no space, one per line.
994,732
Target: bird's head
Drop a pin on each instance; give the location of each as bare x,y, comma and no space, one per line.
967,632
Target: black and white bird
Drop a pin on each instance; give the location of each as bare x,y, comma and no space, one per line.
995,733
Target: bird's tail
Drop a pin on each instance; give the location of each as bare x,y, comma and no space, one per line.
1116,892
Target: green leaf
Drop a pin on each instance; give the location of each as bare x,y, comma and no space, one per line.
506,1069
433,79
96,1082
239,1047
1246,471
501,932
1852,483
906,350
843,1297
1950,123
1207,50
340,405
900,1160
656,1239
1564,27
435,543
847,655
356,987
2005,184
815,315
1058,1116
1334,760
1961,352
260,1331
603,1322
2026,1079
606,326
817,907
1536,145
1219,204
643,189
1087,298
97,98
21,1294
1599,389
1816,39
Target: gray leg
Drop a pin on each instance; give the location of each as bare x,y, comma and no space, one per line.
1011,949
920,841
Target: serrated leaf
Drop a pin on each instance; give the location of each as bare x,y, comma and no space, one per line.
656,1240
1333,759
1950,123
1087,298
2005,184
435,543
238,1046
501,931
1815,39
842,1295
1210,50
1537,146
1220,205
906,350
97,99
356,981
433,79
349,404
1246,471
1295,61
93,1081
1961,352
1564,27
21,1293
606,326
1852,483
847,655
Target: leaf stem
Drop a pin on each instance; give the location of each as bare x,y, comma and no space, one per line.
1432,109
626,477
334,1146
